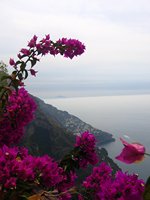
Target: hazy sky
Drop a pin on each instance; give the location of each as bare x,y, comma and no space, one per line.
116,34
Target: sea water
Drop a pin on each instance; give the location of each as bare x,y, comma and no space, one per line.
125,116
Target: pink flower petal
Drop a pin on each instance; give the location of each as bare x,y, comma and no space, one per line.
131,152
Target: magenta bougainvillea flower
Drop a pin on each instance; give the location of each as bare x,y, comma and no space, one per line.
131,153
20,111
33,72
86,142
101,184
11,61
17,166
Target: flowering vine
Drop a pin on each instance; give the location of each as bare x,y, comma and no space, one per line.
24,176
102,185
20,111
28,57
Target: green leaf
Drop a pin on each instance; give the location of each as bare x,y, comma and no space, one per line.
26,74
15,84
14,72
33,62
18,62
23,56
146,195
22,66
148,181
20,76
3,103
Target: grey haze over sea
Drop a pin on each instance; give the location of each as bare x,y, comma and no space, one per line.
126,116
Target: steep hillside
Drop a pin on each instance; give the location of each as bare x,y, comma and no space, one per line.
72,123
46,135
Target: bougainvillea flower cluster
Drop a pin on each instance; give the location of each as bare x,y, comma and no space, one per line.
67,183
66,47
71,47
16,165
102,185
20,111
131,152
86,142
29,56
24,175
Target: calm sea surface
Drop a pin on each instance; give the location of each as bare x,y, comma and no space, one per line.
124,116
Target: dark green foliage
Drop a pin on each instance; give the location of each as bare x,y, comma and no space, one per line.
3,78
146,195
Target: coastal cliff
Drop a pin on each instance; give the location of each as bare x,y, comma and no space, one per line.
71,123
53,132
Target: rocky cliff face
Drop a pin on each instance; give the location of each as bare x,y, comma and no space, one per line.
72,123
